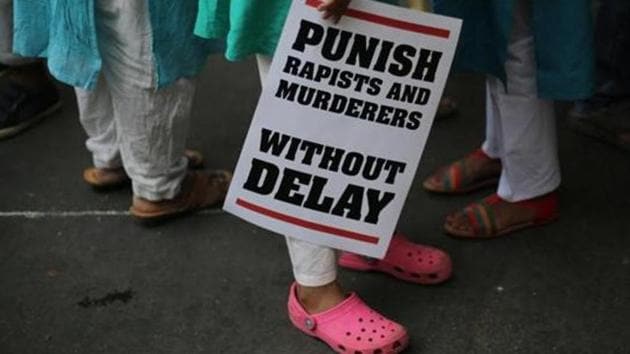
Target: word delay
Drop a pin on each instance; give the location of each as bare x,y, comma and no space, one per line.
309,190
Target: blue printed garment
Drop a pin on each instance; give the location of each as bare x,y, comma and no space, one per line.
64,32
563,33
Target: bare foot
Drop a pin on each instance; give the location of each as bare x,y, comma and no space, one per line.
321,298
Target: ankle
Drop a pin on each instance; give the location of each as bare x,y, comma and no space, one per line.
481,154
321,298
481,162
544,206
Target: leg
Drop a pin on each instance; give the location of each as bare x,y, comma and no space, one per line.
316,292
477,170
529,151
315,271
493,144
153,128
527,135
96,114
264,64
522,132
314,267
152,124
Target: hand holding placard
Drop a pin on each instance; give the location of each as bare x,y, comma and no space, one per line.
342,123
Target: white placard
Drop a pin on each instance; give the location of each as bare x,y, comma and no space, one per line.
343,119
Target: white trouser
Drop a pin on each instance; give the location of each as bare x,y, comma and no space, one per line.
313,265
6,36
520,127
128,120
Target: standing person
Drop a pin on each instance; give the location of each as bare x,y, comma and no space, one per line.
27,94
531,58
317,304
606,115
133,64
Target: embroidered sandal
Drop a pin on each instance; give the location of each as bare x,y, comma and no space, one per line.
481,222
350,327
471,173
406,261
104,179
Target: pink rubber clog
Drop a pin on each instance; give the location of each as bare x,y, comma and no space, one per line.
350,327
405,260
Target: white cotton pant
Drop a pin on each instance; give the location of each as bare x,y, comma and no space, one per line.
131,123
520,127
313,265
6,36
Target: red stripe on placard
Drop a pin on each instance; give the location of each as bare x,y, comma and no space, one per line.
390,22
307,224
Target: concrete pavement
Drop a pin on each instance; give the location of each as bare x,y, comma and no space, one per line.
78,276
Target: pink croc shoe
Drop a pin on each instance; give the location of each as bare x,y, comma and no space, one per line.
350,327
405,260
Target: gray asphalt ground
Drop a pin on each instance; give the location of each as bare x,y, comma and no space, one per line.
75,282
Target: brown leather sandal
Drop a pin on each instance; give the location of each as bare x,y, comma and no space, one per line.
200,190
106,179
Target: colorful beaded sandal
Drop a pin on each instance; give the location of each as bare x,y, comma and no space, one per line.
350,327
406,261
459,177
481,217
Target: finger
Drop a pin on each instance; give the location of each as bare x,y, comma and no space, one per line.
332,10
325,5
332,16
326,8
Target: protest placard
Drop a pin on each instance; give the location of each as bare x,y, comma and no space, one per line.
341,124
